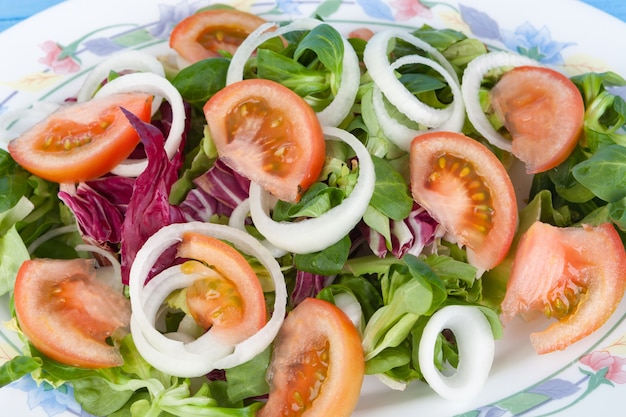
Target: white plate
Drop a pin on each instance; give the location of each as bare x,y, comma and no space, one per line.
565,33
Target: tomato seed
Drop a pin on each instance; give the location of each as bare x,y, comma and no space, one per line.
481,213
276,123
243,110
480,196
465,171
48,141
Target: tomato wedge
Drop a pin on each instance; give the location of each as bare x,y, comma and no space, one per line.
464,186
317,364
232,303
207,33
68,315
269,134
575,275
543,111
82,141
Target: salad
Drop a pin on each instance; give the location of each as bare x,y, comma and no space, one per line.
358,219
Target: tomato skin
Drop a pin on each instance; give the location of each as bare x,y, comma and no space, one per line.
232,322
269,134
82,141
575,274
315,338
68,315
543,111
464,186
204,34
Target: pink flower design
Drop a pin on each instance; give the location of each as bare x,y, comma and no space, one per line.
54,59
407,9
602,359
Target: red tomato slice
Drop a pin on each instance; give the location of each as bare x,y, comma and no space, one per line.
317,364
232,303
204,34
464,186
68,315
82,141
543,111
575,275
269,134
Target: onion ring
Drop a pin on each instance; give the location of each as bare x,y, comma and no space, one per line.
205,353
338,109
383,75
402,135
159,87
476,346
320,232
470,87
132,60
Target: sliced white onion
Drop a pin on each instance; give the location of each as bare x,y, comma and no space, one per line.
475,344
470,88
348,303
402,135
237,220
131,60
110,275
383,75
159,87
205,353
315,234
154,294
161,351
338,109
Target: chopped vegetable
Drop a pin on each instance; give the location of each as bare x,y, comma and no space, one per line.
574,275
466,188
212,32
82,141
316,351
268,134
68,315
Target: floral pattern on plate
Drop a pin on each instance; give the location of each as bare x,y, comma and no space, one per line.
598,367
570,385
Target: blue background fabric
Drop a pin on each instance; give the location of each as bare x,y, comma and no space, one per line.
12,12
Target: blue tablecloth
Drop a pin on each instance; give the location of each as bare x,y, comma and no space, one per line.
14,11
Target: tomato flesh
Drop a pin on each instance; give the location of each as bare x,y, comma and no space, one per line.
269,134
82,141
231,303
209,33
467,190
574,275
317,364
544,113
68,315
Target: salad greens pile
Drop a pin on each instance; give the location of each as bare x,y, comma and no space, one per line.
395,263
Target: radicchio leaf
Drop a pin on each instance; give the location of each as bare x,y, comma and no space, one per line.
410,235
149,208
227,186
307,285
99,207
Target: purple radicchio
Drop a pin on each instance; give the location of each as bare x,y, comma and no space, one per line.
218,191
410,235
227,186
99,207
149,208
307,284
